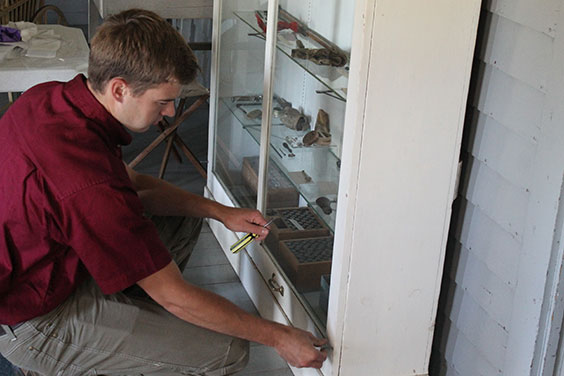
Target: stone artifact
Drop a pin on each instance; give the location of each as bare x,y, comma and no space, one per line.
325,204
293,118
254,114
321,56
321,135
322,128
310,138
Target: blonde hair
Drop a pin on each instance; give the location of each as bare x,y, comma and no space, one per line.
143,49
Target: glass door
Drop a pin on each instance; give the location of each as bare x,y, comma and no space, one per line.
306,105
279,129
239,103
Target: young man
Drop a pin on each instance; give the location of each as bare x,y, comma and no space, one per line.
73,235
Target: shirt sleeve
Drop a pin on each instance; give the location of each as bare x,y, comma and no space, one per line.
118,245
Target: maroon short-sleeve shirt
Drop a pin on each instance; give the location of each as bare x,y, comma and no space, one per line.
67,206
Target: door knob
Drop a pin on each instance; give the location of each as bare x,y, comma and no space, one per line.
275,286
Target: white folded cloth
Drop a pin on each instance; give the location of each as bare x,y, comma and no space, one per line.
27,29
35,43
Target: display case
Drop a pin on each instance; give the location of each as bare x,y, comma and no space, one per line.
280,146
341,121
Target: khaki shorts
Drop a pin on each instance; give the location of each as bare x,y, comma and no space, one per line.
119,334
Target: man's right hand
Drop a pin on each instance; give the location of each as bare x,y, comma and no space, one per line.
300,348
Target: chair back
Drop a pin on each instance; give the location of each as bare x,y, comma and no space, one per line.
18,10
41,17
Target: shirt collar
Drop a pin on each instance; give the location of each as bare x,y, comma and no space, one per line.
93,110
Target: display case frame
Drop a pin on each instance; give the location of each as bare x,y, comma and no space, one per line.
379,321
290,171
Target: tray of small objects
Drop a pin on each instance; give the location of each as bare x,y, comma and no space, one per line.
306,260
293,223
281,192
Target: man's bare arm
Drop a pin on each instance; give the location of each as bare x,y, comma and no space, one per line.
208,310
162,198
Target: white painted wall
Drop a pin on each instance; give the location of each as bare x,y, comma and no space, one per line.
503,233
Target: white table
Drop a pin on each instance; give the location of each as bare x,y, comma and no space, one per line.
176,9
23,72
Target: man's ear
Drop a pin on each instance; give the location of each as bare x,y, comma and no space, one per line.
118,89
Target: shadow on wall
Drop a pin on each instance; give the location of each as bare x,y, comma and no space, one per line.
438,365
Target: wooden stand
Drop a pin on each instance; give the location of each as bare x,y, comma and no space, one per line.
168,132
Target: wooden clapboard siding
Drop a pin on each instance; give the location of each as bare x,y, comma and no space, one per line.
466,357
480,235
517,50
485,288
539,15
477,327
503,150
511,102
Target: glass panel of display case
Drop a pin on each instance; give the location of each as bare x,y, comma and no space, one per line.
306,129
308,110
239,103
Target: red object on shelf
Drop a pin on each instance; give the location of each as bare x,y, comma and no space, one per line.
281,24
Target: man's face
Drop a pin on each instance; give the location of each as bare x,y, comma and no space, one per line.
138,113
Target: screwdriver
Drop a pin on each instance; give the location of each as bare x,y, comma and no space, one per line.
246,240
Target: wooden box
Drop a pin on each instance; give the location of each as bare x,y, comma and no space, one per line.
281,192
306,260
293,223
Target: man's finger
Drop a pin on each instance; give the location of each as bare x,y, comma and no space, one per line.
261,231
318,342
317,363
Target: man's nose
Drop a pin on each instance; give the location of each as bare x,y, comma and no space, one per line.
169,110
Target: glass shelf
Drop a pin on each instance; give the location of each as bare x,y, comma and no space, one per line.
245,108
313,170
335,79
